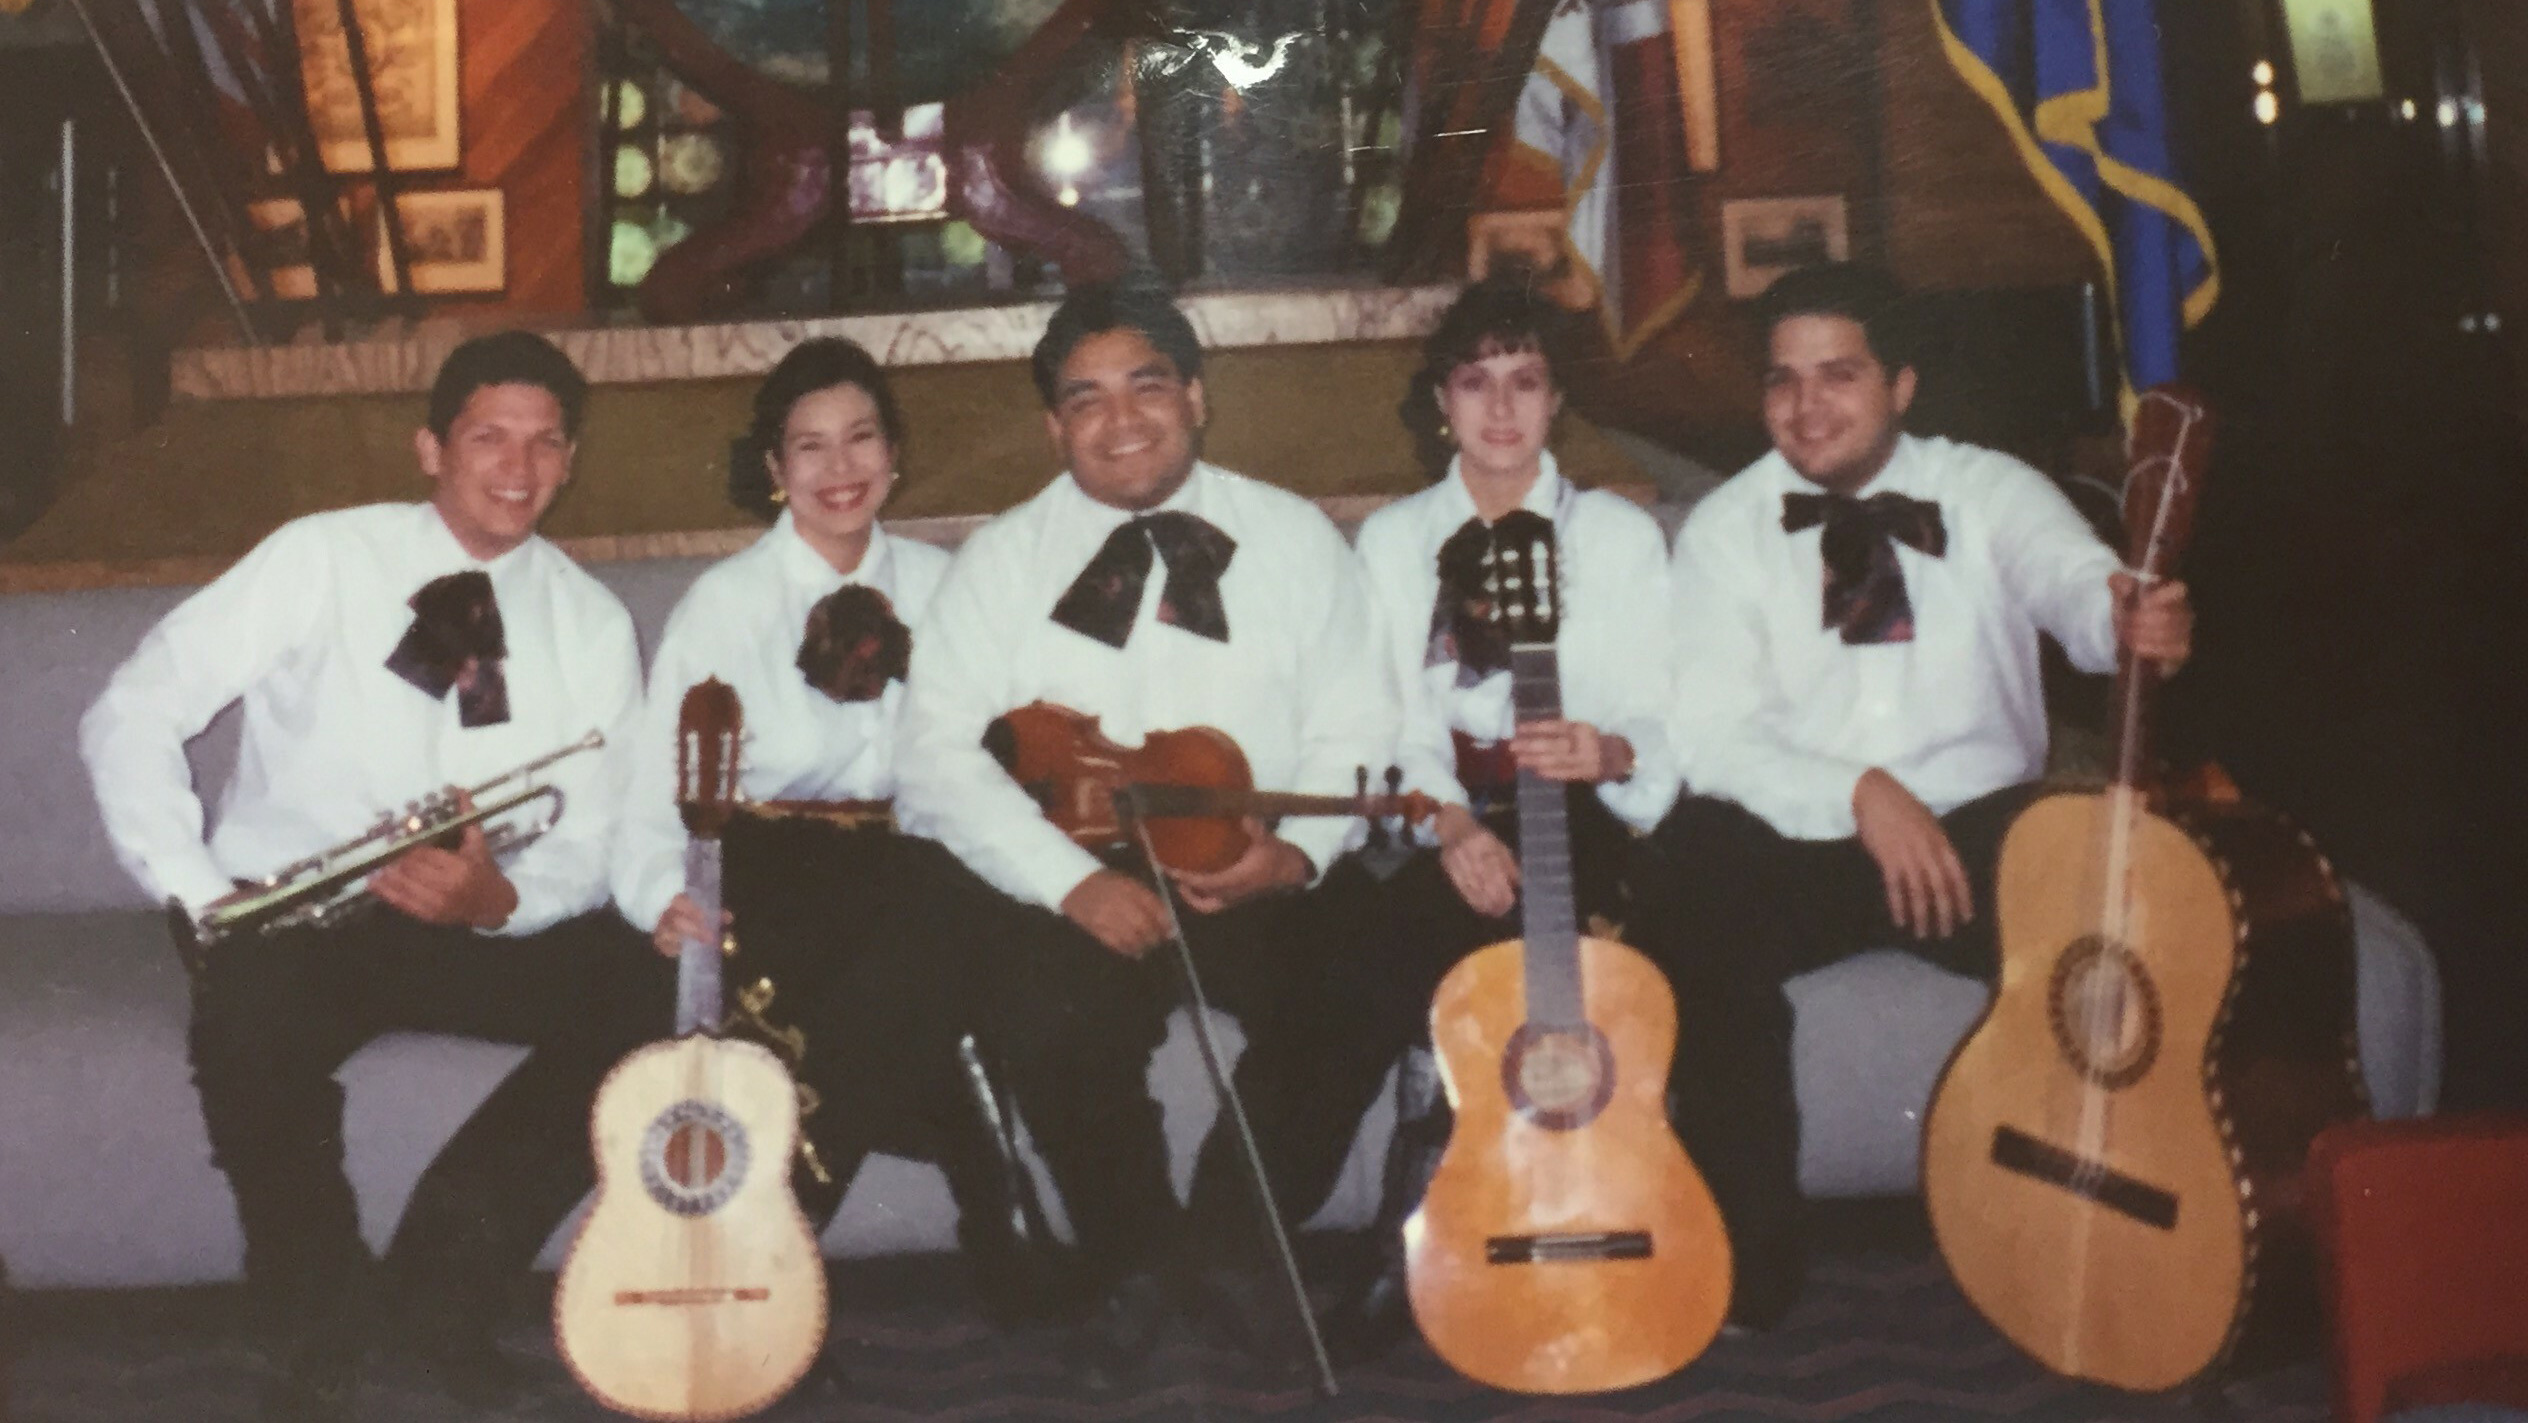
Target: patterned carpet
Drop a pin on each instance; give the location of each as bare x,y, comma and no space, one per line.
1881,1337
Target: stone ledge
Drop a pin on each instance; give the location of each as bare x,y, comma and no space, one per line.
646,354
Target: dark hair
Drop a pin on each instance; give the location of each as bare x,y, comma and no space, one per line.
1865,294
1501,315
1136,301
506,358
811,366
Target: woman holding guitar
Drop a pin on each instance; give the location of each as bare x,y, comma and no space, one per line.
827,903
1484,402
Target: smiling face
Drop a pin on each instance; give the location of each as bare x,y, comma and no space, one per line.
1124,420
1833,410
1500,408
504,459
835,466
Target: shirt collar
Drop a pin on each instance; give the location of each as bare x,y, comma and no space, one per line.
448,553
802,564
1896,476
1545,496
1104,517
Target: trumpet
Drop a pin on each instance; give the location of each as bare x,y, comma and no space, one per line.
331,884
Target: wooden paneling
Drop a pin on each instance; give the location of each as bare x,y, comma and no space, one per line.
526,129
1962,210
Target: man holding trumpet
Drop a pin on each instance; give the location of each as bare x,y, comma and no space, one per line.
382,653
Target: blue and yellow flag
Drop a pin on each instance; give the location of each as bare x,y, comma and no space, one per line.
2077,85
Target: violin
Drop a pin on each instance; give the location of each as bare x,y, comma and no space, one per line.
1190,788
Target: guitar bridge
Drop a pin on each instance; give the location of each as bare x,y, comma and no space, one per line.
1567,1248
2015,1150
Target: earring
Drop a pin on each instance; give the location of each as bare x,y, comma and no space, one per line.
780,495
1448,433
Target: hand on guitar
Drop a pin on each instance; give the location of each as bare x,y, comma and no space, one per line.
461,887
682,923
1118,911
1270,863
1927,892
1483,869
1572,751
2157,624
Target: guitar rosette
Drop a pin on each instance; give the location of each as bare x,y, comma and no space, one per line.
694,1157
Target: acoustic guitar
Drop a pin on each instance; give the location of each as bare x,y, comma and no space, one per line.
2111,1159
1566,1243
695,1289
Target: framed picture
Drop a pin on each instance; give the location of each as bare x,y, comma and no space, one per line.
2334,50
1761,238
455,239
412,53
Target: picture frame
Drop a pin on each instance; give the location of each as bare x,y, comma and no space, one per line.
458,241
412,52
1761,238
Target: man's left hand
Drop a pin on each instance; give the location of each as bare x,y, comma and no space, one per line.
459,887
1572,751
2156,623
1270,863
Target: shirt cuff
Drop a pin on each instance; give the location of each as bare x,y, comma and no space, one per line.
1322,838
1051,875
196,883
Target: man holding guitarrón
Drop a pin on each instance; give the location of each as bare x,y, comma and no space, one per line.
1859,716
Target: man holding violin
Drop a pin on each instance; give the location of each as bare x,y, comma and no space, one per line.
381,653
1154,591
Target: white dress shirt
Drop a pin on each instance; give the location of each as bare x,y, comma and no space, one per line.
742,622
1300,685
1612,646
1774,711
300,629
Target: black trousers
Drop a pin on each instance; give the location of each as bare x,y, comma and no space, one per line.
1731,909
273,1017
1301,974
1435,927
879,949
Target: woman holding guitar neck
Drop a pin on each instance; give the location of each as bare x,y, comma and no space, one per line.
1485,402
1852,763
839,912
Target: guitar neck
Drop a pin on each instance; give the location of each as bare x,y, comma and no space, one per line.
2136,698
1549,915
698,962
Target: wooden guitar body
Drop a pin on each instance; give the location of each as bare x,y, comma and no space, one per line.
1566,1243
695,1289
2111,1159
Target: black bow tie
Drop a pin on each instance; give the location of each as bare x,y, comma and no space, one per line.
1865,587
456,641
1103,601
854,644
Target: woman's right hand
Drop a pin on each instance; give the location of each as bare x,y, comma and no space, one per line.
681,924
1483,869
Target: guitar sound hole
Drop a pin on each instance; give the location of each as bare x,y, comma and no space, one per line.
696,1155
1558,1078
2105,1012
693,1158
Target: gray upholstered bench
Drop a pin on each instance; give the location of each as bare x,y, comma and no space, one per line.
107,1173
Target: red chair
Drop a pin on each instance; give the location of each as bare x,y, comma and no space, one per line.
2425,1229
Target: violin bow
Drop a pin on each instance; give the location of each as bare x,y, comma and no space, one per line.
1231,1105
